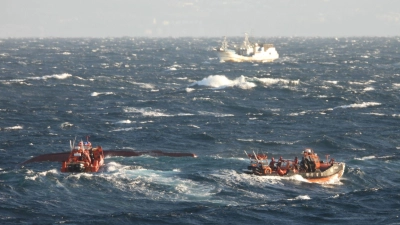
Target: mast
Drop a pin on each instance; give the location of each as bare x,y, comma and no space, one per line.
246,42
224,44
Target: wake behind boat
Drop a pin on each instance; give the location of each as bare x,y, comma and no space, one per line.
310,167
247,52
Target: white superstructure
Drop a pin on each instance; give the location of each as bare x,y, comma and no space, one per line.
247,52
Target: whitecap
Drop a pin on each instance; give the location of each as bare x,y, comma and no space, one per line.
94,94
221,81
189,89
54,76
374,114
18,127
185,114
66,124
146,111
142,85
365,158
124,121
359,105
126,129
369,89
300,197
15,81
273,81
204,113
331,81
362,83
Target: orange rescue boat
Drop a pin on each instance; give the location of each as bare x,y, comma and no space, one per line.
84,158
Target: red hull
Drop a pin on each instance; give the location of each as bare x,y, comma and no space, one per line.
84,161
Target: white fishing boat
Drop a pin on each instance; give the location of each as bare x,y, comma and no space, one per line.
310,167
247,52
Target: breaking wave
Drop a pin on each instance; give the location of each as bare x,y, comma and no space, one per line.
221,81
55,76
359,105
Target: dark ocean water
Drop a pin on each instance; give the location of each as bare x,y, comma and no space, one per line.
337,96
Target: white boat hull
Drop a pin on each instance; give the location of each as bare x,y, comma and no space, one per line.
231,56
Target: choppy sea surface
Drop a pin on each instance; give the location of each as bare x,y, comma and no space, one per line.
338,96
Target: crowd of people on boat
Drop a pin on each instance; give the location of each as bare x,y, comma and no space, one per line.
309,163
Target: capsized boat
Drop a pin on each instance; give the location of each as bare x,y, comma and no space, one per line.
85,158
247,52
310,167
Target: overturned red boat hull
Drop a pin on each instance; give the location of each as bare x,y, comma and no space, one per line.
73,162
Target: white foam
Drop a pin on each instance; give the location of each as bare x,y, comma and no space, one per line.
13,81
142,180
31,177
201,98
369,89
221,81
35,175
359,105
94,94
79,175
273,81
375,114
185,114
204,113
300,197
385,157
124,121
146,111
362,83
189,89
232,177
55,76
366,158
143,85
126,129
66,124
18,127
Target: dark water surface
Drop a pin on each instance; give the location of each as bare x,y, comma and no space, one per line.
337,96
